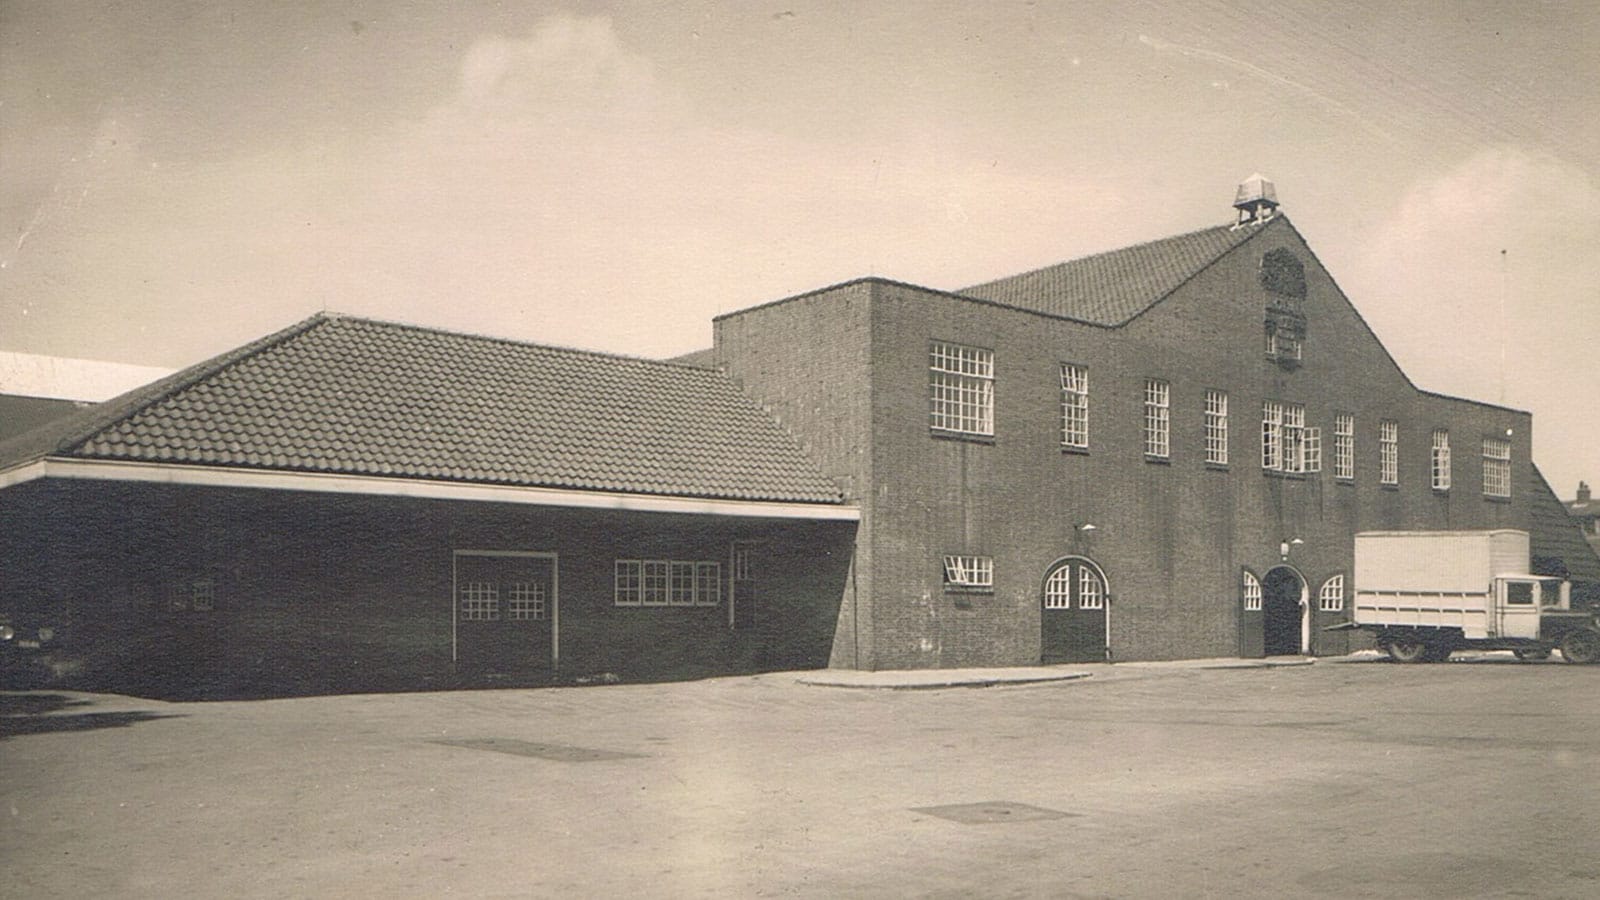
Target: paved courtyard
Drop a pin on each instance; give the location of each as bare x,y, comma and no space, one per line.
1340,779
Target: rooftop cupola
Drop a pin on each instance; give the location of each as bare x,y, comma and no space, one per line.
1257,199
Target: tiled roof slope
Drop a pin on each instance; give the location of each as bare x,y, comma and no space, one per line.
1112,288
1555,535
355,396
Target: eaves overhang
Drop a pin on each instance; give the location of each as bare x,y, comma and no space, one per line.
420,489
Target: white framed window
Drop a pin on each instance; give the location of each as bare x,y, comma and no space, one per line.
667,582
1058,589
1252,592
629,582
1217,427
480,601
1496,467
1157,418
525,601
1389,452
681,587
969,572
1272,435
1344,446
1074,406
1440,464
961,383
1284,444
1091,590
741,564
656,579
1331,597
707,583
1294,432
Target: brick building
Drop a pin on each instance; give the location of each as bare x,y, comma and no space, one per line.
1157,452
356,505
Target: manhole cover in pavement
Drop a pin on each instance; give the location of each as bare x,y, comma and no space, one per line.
557,752
991,812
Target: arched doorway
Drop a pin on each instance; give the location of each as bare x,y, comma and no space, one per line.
1074,612
1283,612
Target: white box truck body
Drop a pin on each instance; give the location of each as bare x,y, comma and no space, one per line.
1427,593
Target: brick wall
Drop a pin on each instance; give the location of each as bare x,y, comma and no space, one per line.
1171,536
318,593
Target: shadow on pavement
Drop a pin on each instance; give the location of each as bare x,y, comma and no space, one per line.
24,714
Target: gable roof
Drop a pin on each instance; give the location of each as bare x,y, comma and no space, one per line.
343,395
1114,287
1555,536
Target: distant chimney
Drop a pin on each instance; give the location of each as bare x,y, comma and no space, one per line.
1256,200
1583,492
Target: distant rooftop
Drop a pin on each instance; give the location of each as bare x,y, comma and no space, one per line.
66,378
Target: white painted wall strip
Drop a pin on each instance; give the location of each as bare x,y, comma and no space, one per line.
268,479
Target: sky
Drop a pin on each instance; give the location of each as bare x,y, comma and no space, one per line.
177,179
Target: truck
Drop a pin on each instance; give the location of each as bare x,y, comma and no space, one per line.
1426,594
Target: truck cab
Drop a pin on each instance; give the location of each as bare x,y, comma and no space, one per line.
1521,601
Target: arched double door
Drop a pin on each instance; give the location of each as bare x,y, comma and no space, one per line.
1075,606
1274,614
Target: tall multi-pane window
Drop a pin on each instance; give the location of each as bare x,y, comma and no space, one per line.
1074,406
1157,418
1440,466
1496,467
1389,452
1312,451
1217,427
961,383
1344,446
1284,439
1272,435
1294,430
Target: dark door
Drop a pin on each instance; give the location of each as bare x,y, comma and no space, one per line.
746,588
1250,636
1280,614
505,606
1073,613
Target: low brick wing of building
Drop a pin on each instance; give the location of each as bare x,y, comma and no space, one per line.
355,504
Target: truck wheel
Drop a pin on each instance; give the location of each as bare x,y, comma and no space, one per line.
1533,654
1581,645
1407,650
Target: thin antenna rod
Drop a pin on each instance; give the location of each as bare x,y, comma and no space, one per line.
1505,287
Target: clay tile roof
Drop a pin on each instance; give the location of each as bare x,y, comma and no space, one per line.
362,397
1114,287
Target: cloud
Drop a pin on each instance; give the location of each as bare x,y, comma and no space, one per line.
566,63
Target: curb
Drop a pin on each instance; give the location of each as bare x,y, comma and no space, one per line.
878,684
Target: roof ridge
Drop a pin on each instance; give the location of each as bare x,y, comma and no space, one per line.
1102,253
513,342
1264,225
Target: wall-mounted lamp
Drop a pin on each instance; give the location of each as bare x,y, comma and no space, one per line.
1283,547
1087,526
